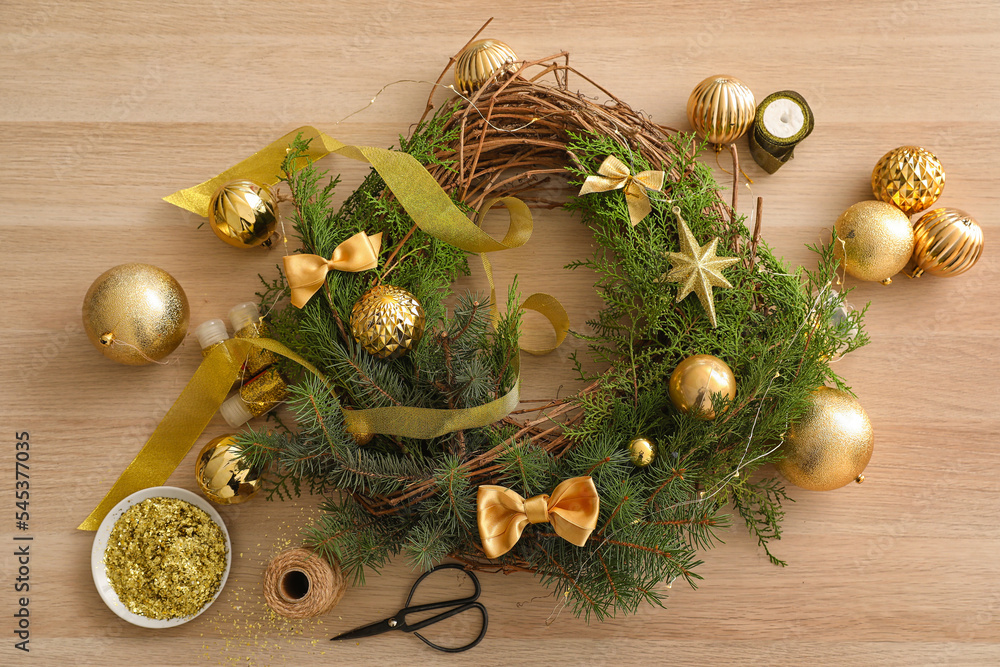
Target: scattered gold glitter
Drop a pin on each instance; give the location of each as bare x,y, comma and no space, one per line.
165,558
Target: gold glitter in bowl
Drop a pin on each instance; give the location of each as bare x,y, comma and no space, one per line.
161,557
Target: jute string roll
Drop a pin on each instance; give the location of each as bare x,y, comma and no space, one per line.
299,583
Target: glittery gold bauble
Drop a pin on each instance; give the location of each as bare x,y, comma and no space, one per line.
721,109
948,242
220,476
478,61
695,380
830,445
388,321
243,213
874,239
135,314
908,177
642,451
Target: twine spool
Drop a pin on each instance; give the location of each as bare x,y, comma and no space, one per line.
299,583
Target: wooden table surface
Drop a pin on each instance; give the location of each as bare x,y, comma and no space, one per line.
106,107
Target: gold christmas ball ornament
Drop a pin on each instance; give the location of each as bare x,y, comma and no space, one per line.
479,61
243,214
642,451
696,379
830,445
948,243
387,321
909,177
135,314
874,240
220,475
721,109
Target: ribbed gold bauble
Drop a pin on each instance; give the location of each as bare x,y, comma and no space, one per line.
948,242
388,321
641,451
243,213
135,314
721,109
909,177
874,239
478,61
830,445
219,475
695,380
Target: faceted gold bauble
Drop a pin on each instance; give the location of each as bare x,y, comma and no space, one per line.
243,213
388,321
948,242
874,239
135,314
830,445
908,177
478,61
721,109
220,476
695,380
642,451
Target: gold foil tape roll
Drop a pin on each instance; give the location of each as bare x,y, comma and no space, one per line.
299,583
782,121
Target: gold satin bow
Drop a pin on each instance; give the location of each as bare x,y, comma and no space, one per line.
307,273
613,174
502,514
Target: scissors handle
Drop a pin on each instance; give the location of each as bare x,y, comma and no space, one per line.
452,607
447,614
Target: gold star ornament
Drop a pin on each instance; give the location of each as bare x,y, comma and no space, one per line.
697,268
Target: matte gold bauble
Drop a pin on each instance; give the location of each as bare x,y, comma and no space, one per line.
135,314
948,242
874,240
830,445
221,477
909,177
243,214
642,451
479,61
388,321
695,380
721,109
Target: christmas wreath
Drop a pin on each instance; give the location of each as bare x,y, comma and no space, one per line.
666,467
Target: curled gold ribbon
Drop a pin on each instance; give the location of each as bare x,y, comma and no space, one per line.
502,514
613,174
544,304
185,421
307,273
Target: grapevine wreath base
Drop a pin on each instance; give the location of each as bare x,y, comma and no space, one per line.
524,133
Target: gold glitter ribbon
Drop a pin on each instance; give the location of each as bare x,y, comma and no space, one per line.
502,514
307,273
185,421
613,174
433,211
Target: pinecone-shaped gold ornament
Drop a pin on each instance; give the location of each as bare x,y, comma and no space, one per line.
388,321
909,177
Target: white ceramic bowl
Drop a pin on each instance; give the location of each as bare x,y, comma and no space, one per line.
101,543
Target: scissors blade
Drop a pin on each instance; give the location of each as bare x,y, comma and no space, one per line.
370,630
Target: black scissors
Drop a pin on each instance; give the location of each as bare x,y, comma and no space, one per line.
398,620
